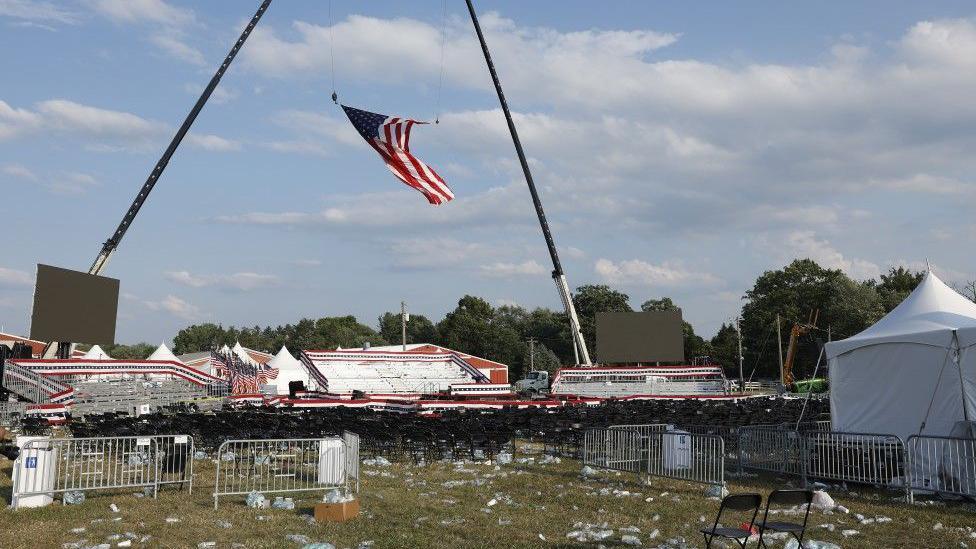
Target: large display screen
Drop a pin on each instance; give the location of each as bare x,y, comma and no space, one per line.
74,307
653,336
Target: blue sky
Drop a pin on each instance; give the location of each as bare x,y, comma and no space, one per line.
680,151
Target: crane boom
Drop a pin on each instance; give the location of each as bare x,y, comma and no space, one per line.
113,241
557,269
108,248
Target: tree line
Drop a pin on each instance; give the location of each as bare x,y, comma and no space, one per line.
845,307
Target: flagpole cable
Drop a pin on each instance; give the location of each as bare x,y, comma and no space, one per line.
335,96
440,78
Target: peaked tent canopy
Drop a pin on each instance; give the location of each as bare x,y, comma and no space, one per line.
289,369
96,353
163,353
912,372
241,353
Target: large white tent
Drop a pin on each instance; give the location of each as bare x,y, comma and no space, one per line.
913,372
289,369
96,353
163,353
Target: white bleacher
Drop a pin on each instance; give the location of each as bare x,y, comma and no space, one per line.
388,373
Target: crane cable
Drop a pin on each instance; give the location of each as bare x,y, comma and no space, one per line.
440,77
335,96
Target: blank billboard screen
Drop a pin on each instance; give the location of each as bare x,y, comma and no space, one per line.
653,336
74,306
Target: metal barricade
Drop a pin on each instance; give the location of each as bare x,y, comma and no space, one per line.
945,465
687,456
52,466
868,458
281,466
770,449
613,448
730,439
352,456
645,430
175,454
11,412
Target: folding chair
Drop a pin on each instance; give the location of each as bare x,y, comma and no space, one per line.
790,498
735,502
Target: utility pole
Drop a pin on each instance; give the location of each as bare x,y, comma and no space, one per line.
779,345
531,354
742,379
403,324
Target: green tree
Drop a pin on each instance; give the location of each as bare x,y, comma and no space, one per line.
200,337
419,328
551,328
725,349
895,286
138,351
694,344
592,299
845,307
344,331
466,328
545,360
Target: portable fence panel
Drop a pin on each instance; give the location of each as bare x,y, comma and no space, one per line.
687,456
730,439
280,466
10,412
645,430
616,449
945,465
770,449
856,457
175,454
352,456
81,464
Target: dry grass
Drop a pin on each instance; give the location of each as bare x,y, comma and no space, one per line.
409,506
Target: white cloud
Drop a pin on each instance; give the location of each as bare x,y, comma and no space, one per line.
434,253
176,307
220,95
33,10
572,252
71,183
806,245
508,270
19,170
307,262
173,44
13,277
243,281
401,208
138,11
71,116
638,272
213,143
545,55
14,121
299,147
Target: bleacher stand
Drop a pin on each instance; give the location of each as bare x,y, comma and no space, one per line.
388,373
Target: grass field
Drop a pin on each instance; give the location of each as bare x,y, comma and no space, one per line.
447,505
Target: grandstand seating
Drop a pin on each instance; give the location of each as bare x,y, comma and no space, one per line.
388,373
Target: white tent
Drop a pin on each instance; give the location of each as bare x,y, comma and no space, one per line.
242,354
96,353
916,365
163,353
289,369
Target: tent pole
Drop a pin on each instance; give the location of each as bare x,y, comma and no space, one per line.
962,383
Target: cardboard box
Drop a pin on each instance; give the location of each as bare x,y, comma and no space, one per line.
336,512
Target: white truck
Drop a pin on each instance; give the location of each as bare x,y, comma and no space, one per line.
534,383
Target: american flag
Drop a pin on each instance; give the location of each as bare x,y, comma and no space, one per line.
390,136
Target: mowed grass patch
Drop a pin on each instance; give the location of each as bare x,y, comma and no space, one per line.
451,505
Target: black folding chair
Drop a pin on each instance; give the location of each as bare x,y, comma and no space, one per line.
742,503
790,498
